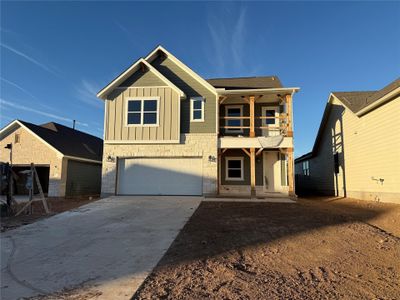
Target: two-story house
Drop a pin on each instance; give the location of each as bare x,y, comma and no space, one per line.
168,131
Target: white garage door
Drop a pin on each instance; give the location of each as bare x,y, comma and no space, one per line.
160,176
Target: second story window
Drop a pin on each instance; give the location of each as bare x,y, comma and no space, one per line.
197,109
234,123
143,112
306,168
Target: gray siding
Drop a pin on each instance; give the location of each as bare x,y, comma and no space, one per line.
246,162
191,88
83,178
116,114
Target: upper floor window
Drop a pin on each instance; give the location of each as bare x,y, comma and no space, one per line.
306,168
234,111
17,138
143,111
197,109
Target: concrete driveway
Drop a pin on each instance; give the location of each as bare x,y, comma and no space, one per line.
108,247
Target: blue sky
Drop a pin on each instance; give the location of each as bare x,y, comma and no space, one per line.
56,56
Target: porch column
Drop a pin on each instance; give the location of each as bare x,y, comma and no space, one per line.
251,102
252,172
288,100
290,172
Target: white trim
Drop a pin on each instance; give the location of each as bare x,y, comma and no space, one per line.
140,87
83,159
240,158
104,120
141,142
227,107
131,70
153,54
192,109
142,99
264,121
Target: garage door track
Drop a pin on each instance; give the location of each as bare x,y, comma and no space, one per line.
108,246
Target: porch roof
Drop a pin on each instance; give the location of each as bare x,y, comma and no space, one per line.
254,92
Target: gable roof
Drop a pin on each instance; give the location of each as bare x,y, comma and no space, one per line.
102,94
359,103
258,82
63,139
159,49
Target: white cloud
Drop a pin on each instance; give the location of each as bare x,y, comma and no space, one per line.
29,58
39,112
18,87
87,92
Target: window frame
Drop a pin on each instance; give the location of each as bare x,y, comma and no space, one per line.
17,138
306,167
229,158
231,130
142,99
276,115
192,109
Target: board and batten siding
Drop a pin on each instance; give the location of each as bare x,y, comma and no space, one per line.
116,114
192,88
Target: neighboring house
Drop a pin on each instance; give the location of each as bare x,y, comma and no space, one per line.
357,150
168,131
68,161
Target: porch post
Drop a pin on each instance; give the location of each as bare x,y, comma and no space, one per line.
290,172
252,172
288,100
251,102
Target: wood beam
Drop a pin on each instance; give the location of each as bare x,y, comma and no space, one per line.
290,171
289,112
224,150
259,151
247,152
246,99
252,172
222,99
252,132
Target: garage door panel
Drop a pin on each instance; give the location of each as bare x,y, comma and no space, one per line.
160,176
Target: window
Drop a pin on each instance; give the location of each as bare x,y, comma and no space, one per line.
17,138
306,168
270,113
234,111
197,109
234,168
142,112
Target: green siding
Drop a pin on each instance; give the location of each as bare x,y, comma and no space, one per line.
192,88
139,79
246,163
83,178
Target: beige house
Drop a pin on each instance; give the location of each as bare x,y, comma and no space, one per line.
168,131
357,150
68,161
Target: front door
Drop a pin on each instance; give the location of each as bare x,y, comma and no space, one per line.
270,123
272,172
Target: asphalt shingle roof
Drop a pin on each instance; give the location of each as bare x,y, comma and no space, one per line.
262,82
70,142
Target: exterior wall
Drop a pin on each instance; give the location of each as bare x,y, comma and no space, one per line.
242,188
192,88
192,145
116,114
83,178
140,79
367,147
31,149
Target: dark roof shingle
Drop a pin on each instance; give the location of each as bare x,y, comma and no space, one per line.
262,82
70,142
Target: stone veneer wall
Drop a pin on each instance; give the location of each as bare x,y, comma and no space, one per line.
31,149
192,145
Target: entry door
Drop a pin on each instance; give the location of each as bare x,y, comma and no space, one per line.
160,176
270,126
272,172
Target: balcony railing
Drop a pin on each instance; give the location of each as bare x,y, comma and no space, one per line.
281,126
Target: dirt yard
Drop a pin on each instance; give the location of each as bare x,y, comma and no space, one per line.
56,206
313,249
